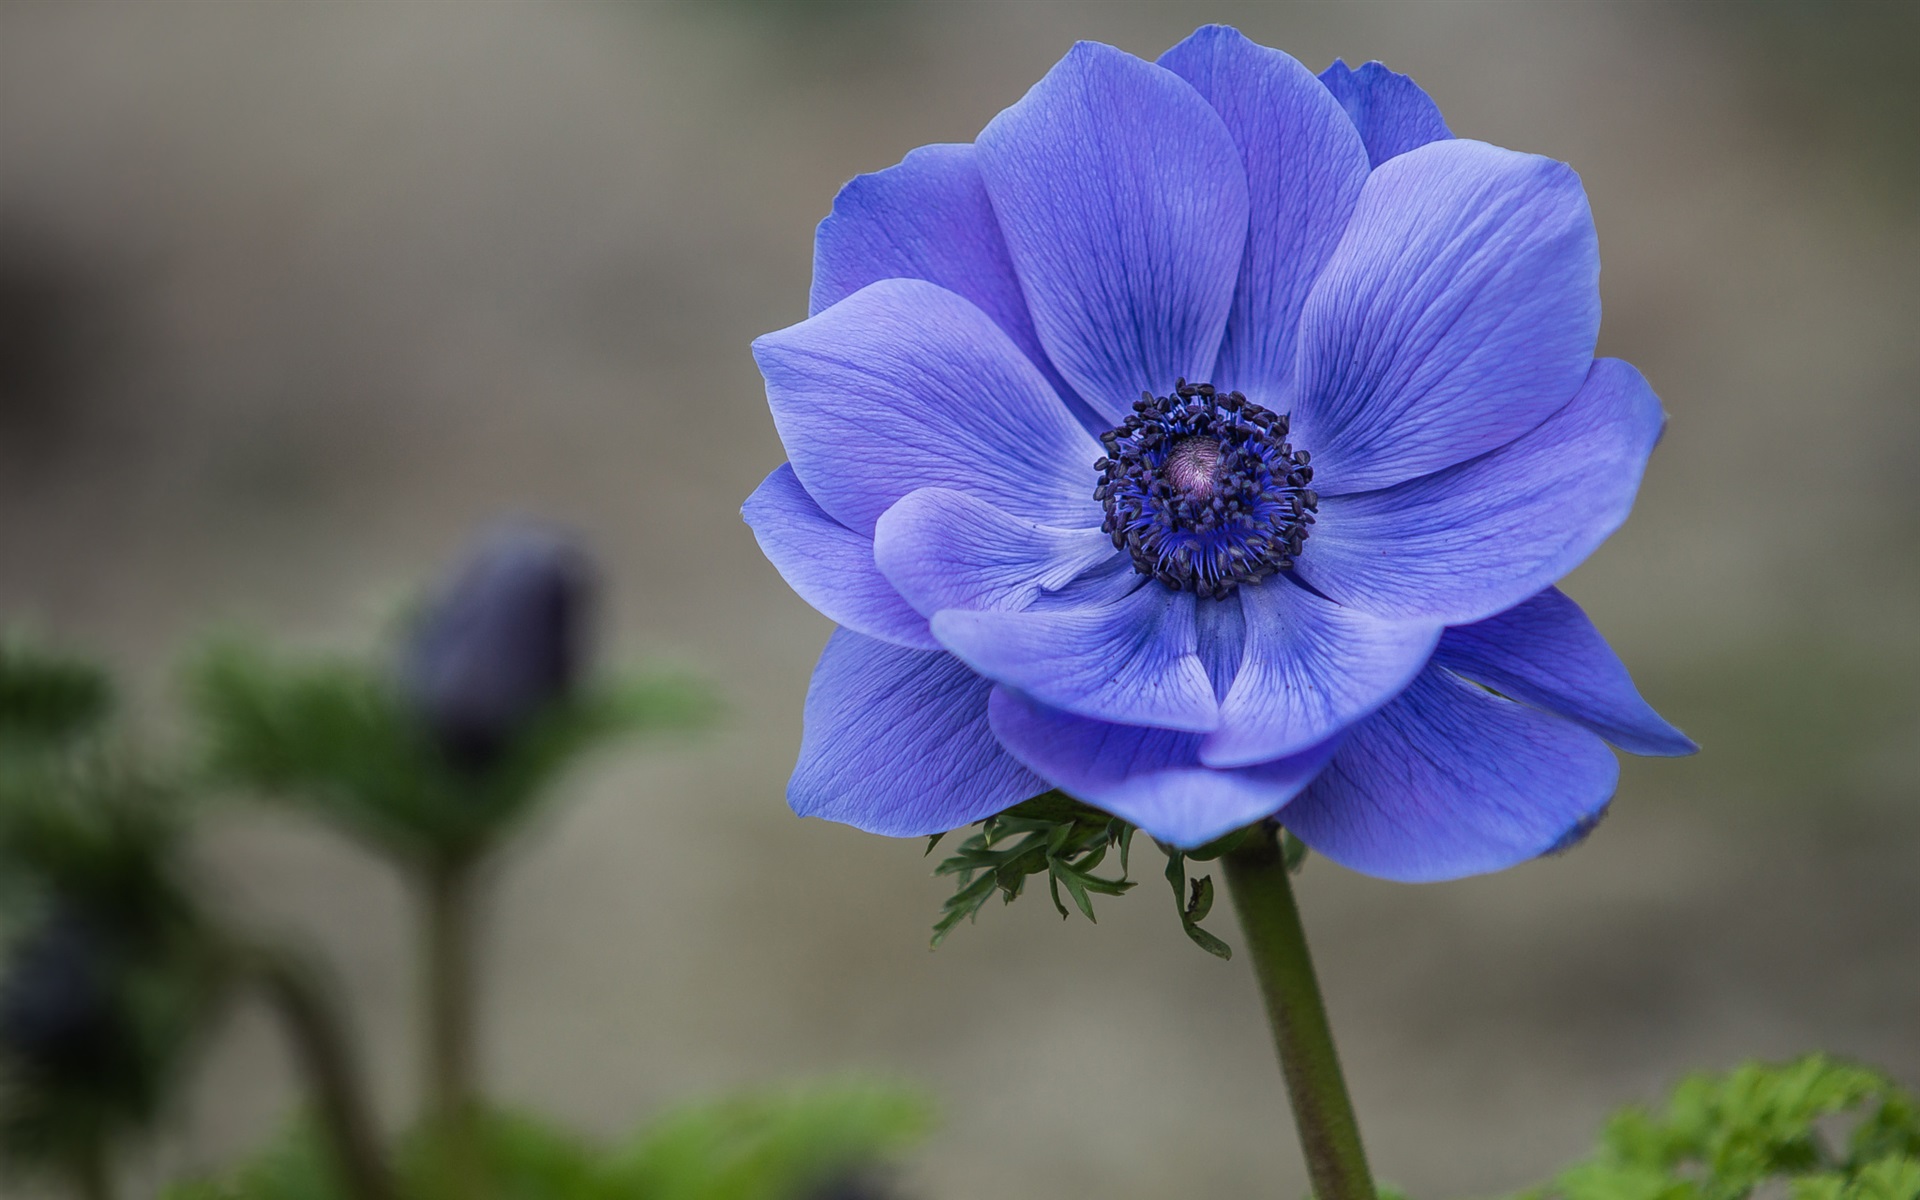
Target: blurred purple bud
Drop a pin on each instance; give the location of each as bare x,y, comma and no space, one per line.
58,1013
505,639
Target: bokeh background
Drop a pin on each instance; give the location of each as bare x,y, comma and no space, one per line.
293,296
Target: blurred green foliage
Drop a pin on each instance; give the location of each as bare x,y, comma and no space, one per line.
773,1144
108,979
48,699
337,737
1759,1128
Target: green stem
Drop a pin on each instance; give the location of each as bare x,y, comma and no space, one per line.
449,1086
1270,922
93,1175
320,1043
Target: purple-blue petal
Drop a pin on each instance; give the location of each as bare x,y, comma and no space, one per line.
1133,659
1311,668
1473,540
1305,166
945,549
1450,780
1545,652
1124,205
1151,777
1458,312
928,217
829,565
905,385
1220,628
1390,110
896,742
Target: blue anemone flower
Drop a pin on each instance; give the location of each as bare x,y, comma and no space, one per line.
1204,440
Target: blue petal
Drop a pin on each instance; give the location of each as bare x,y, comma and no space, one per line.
1305,166
897,743
928,218
829,565
904,385
1545,652
1390,110
1458,312
1311,668
945,549
1476,539
1220,629
1131,659
1151,777
1450,780
1124,205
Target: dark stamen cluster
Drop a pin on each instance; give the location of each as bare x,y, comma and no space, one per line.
1203,491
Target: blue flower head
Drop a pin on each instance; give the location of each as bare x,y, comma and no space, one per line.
1204,440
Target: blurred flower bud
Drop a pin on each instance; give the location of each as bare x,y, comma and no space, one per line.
504,640
59,1015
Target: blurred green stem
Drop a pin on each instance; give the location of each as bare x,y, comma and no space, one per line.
93,1175
1270,922
297,993
448,888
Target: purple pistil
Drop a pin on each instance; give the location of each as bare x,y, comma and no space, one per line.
1190,466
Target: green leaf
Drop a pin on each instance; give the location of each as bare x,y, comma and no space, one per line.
1723,1137
1076,889
1208,942
1200,903
1051,833
49,698
1194,905
1293,851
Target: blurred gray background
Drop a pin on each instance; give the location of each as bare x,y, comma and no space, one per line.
293,296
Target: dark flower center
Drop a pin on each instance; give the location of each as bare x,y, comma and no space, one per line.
1203,490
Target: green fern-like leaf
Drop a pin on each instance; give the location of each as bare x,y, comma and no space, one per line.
1726,1137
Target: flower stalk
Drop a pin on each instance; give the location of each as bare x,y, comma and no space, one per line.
449,1088
1257,877
320,1044
93,1175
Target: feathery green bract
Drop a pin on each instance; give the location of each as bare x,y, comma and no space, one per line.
1722,1137
1068,840
336,737
1051,833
